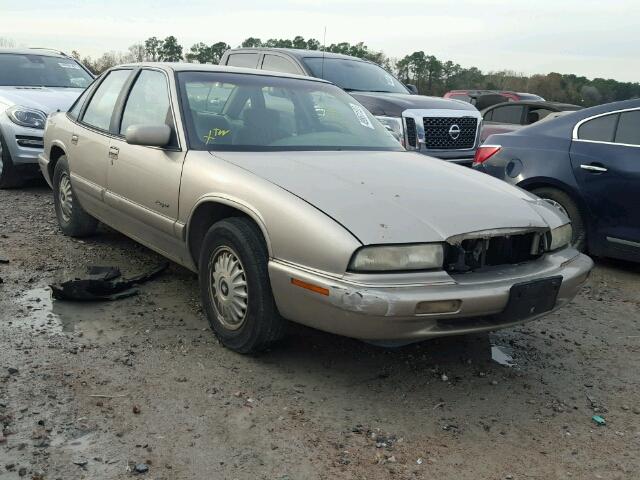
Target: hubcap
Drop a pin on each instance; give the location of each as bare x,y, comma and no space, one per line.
228,288
65,196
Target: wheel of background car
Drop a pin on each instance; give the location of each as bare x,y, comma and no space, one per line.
72,218
9,178
235,287
569,207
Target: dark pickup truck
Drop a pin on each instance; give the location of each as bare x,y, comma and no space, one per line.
442,128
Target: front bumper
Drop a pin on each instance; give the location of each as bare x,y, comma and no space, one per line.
20,142
460,157
381,311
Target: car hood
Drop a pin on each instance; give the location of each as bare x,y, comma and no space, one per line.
393,104
397,197
45,99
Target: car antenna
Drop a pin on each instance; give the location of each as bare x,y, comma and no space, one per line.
324,48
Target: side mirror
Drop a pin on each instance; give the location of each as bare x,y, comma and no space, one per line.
412,88
148,135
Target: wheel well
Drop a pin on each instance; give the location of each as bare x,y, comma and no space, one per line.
576,198
54,156
206,215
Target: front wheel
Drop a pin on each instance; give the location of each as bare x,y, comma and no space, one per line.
568,206
235,287
74,221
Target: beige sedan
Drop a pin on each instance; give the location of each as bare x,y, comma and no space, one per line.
292,202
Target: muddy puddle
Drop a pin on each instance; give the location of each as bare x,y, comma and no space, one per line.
39,312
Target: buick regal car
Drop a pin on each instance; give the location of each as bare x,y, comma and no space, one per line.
292,201
33,83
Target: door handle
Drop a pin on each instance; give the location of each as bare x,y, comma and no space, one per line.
113,153
593,168
74,139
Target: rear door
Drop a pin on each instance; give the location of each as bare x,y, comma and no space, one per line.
605,156
89,149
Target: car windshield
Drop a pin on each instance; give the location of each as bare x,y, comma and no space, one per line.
354,75
27,70
230,111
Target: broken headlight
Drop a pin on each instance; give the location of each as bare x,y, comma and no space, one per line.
560,237
426,256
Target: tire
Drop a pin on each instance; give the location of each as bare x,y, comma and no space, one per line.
233,252
72,218
9,176
579,240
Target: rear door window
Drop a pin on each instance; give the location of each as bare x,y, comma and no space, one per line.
100,109
600,129
629,128
77,106
246,60
275,63
508,114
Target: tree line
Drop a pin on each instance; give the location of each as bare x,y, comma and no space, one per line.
431,75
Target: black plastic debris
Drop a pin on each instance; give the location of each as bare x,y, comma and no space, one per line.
102,283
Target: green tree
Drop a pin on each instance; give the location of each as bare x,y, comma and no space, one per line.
202,53
170,50
251,42
152,48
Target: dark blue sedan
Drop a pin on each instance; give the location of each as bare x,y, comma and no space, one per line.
588,164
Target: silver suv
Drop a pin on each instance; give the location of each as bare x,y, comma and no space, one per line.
33,83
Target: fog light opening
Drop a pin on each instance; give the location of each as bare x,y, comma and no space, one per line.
438,306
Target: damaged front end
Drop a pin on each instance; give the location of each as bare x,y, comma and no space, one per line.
491,248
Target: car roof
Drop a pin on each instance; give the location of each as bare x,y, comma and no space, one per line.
45,52
200,67
563,126
299,53
537,103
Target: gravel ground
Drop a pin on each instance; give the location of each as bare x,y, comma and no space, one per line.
99,391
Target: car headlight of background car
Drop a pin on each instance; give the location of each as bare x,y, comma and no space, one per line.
425,256
394,125
27,117
561,237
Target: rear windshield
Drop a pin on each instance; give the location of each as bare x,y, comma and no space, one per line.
354,75
18,70
226,111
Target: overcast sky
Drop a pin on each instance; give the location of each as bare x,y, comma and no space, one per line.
586,37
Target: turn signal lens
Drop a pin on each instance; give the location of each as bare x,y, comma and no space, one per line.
310,286
484,153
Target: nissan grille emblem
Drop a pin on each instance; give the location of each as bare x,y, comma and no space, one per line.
454,131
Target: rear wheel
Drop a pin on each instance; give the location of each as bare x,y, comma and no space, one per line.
235,287
9,176
568,206
74,221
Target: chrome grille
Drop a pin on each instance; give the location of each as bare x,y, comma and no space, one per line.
411,132
450,133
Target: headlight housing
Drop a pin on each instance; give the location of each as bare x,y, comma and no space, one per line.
394,125
385,258
27,117
560,237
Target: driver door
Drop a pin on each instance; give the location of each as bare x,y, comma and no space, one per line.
143,183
